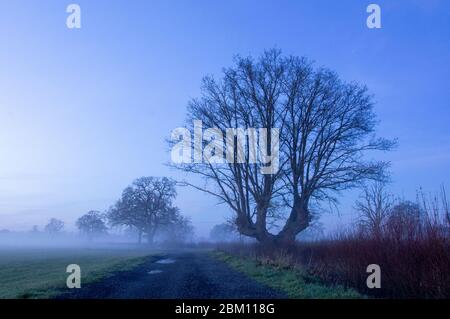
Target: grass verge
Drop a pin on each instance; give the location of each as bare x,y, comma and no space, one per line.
38,273
293,282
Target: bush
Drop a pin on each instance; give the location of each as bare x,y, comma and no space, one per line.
413,252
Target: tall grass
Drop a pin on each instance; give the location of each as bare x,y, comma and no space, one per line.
413,253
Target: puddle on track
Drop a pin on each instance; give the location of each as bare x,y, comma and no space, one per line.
166,261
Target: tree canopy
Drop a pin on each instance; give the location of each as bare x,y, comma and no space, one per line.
147,206
92,224
326,128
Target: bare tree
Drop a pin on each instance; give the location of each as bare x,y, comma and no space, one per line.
406,220
92,224
325,125
179,230
223,232
145,205
445,205
329,127
374,207
54,226
248,97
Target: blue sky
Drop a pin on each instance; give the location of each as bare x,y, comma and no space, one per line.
84,112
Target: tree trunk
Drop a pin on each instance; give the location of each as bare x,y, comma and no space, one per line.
298,220
149,238
140,236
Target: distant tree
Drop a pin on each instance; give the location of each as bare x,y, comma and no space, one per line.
184,230
54,226
34,229
223,232
145,205
92,224
179,230
405,220
445,206
374,208
130,232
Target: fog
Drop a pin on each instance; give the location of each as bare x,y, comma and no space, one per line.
41,239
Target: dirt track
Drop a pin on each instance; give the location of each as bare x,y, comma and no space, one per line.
182,275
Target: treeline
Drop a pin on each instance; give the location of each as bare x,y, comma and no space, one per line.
146,207
145,211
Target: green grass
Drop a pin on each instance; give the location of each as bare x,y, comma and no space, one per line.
41,273
291,281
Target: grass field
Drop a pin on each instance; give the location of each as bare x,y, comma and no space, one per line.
41,273
293,282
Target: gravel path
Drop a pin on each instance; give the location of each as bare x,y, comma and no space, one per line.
183,275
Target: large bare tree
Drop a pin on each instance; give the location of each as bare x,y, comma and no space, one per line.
325,126
328,129
145,205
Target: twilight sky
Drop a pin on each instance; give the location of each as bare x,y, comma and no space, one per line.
84,112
